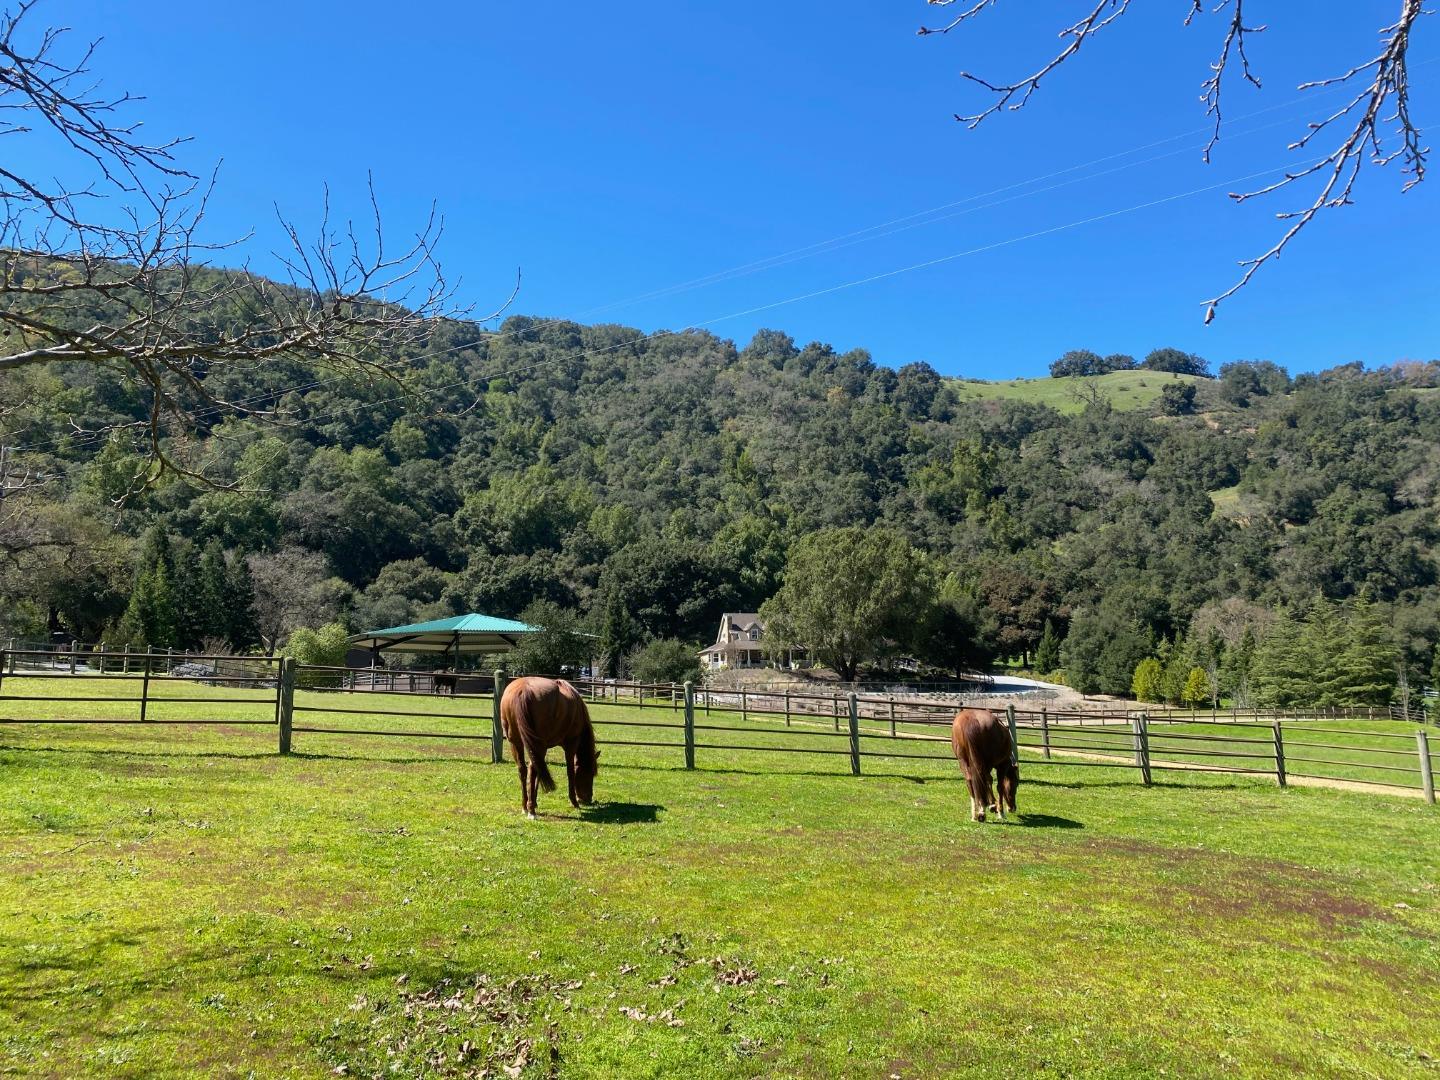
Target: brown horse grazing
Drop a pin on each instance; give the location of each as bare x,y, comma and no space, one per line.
982,742
536,714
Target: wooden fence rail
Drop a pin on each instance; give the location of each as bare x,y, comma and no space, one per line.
303,700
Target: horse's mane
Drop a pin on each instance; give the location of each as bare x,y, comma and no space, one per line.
585,754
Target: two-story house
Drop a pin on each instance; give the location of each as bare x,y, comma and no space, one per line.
737,645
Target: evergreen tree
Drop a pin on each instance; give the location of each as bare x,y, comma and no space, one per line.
1236,667
1282,675
192,616
617,635
1365,671
150,615
1435,670
212,590
1047,653
1210,654
156,550
1323,640
241,627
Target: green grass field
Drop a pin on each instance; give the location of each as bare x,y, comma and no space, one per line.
1126,389
183,901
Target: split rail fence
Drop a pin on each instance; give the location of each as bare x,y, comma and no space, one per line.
308,700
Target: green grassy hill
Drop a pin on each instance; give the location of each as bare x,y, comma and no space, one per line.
1127,389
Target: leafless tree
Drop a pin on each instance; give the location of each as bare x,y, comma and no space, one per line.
1373,124
293,588
110,266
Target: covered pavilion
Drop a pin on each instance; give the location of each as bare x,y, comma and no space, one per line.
462,635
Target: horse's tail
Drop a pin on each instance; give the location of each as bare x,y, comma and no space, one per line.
542,771
515,719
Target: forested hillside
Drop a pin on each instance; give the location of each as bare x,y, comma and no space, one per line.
648,483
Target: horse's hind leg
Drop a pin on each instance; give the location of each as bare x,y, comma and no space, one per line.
570,754
526,806
532,787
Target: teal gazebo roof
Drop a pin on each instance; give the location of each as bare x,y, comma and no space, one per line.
463,634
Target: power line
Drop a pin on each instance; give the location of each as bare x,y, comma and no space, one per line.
873,232
869,279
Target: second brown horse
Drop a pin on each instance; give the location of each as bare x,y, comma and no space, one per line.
982,742
536,714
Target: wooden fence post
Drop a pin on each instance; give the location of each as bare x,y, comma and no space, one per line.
744,707
1427,776
1142,746
892,718
835,710
689,725
1045,732
1279,753
145,689
854,734
72,658
287,701
787,708
497,734
1014,735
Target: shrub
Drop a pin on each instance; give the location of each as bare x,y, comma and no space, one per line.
325,647
665,660
1147,685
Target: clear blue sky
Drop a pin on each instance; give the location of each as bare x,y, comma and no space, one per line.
614,150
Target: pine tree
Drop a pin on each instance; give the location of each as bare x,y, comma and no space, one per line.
192,616
1211,655
1323,639
617,636
1047,653
1236,667
241,628
1365,671
156,550
150,614
1282,674
212,588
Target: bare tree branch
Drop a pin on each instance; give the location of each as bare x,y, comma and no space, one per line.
1382,98
115,272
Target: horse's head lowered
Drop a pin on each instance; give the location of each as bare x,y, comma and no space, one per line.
583,771
1007,779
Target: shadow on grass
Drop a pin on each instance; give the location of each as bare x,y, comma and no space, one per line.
1046,821
622,813
111,751
1228,785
